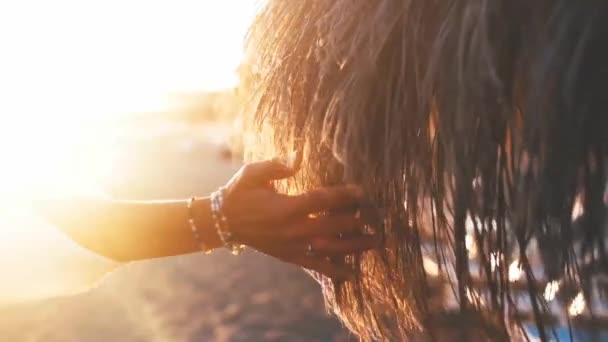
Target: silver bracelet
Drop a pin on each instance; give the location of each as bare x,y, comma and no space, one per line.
195,232
221,223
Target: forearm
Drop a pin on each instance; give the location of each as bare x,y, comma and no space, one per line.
133,230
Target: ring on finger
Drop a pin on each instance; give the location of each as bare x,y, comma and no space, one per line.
309,250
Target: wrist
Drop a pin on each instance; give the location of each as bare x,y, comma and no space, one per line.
221,222
203,219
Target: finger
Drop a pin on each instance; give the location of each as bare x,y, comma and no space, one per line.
326,268
372,214
297,256
324,199
265,171
334,247
324,225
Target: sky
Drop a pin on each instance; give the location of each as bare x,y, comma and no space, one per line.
98,58
68,66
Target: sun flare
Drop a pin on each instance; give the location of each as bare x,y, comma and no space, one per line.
73,70
68,65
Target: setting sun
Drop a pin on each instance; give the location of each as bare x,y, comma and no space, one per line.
68,65
72,72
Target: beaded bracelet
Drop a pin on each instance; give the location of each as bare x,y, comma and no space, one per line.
221,223
194,228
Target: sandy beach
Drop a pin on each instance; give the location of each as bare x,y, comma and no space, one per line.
216,297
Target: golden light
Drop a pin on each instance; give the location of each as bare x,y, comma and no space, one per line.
430,267
577,208
69,67
71,70
474,297
577,306
551,290
515,271
495,260
470,245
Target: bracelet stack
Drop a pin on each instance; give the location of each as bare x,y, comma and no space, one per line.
221,224
195,231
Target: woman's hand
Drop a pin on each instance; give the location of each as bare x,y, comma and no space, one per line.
305,229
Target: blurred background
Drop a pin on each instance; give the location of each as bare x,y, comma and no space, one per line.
136,100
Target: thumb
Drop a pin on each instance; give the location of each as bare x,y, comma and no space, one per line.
267,170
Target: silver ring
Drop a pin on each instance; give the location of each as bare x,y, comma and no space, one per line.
309,251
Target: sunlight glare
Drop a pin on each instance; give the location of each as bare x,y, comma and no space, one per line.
577,306
72,70
470,245
70,66
495,260
551,290
515,271
430,267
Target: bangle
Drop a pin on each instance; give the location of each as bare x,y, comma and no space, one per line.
221,223
195,232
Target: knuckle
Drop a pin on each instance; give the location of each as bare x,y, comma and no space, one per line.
313,201
314,196
320,244
341,225
349,220
337,224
